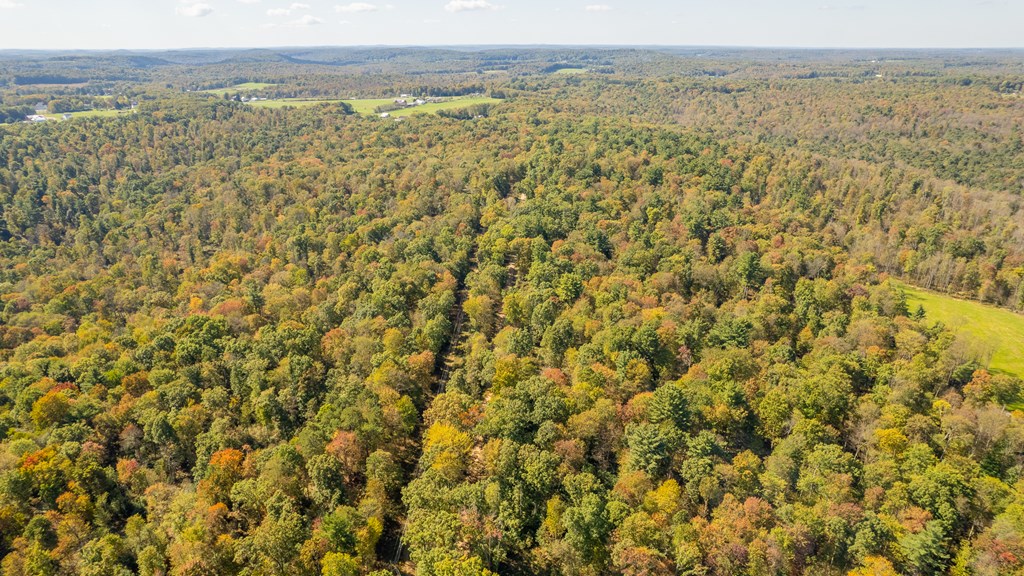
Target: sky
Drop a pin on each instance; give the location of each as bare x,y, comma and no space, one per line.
161,24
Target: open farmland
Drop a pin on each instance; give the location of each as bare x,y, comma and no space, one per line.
370,105
999,330
243,87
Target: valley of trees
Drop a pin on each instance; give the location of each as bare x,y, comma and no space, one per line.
639,322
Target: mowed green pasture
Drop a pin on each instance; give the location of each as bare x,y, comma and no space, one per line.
369,105
436,107
999,329
245,86
571,71
91,114
291,103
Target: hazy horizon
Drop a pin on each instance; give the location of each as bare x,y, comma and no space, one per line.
475,47
787,24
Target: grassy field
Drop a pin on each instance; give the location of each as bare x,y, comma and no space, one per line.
571,71
291,103
245,86
91,114
455,104
368,106
1001,329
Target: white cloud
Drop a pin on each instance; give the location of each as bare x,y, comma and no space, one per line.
194,10
464,5
10,4
248,1
281,12
598,8
356,7
307,20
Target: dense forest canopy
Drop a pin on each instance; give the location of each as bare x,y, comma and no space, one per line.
643,316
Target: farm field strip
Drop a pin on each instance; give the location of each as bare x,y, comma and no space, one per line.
90,114
239,88
369,106
1001,329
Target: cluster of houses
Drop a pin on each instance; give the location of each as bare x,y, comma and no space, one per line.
406,101
40,118
42,109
